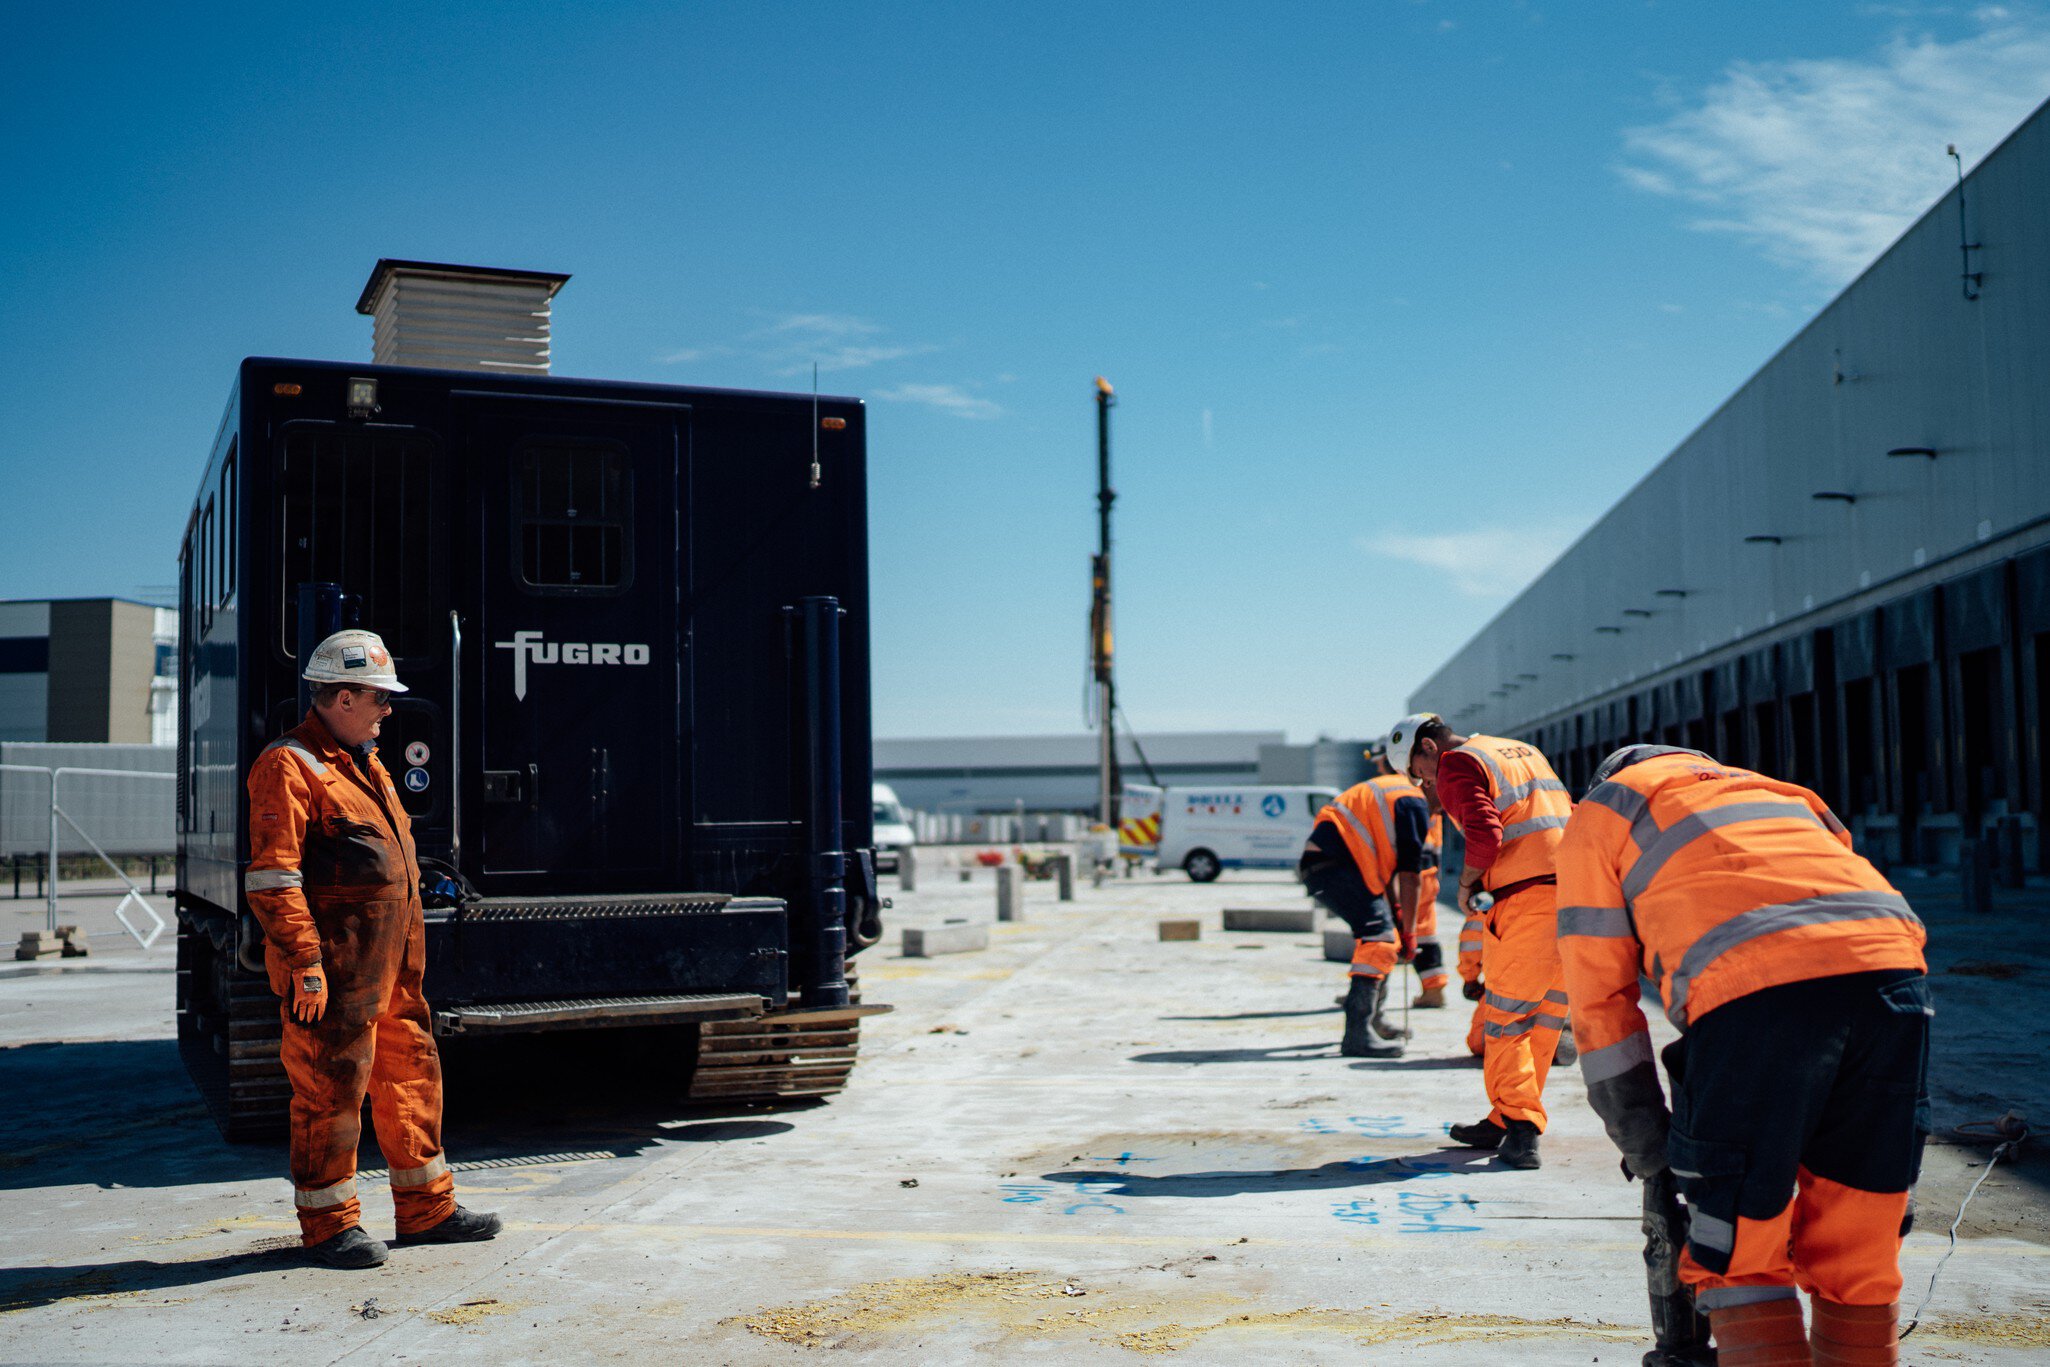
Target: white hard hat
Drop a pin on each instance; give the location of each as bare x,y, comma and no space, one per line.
356,658
1402,739
1377,748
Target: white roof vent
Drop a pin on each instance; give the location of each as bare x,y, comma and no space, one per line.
446,317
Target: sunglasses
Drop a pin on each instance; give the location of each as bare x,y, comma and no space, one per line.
376,697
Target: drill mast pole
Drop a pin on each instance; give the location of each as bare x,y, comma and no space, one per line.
1100,645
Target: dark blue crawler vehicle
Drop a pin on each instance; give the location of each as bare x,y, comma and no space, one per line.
634,620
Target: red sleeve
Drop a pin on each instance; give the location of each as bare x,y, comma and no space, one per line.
1463,793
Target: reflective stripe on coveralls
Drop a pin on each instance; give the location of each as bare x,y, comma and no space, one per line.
334,881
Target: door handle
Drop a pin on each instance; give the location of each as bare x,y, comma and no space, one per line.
455,741
533,787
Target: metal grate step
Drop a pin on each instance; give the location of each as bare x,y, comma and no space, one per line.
597,1011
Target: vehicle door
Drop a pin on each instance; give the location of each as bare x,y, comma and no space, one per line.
577,655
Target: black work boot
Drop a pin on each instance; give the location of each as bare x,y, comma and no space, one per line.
462,1227
1520,1146
1567,1053
1359,1041
1482,1134
352,1248
1383,1027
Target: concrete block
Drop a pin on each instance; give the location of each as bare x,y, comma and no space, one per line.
967,875
1010,893
75,946
946,939
1295,919
1181,930
39,944
1338,944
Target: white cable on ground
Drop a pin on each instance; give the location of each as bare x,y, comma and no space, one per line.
2017,1130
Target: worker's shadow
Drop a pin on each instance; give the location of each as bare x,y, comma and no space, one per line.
1345,1175
1277,1053
123,1113
1330,1010
26,1288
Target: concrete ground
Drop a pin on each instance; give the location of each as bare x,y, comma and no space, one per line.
1081,1145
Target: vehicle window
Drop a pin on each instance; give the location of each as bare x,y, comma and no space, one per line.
576,516
227,529
360,510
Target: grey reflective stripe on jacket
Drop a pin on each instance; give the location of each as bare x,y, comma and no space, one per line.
1531,827
1688,829
1509,797
1861,904
313,761
1364,834
1613,1060
270,880
1600,923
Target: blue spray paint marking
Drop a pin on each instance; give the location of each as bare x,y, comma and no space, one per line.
1095,1191
1416,1212
1123,1160
1024,1193
1369,1126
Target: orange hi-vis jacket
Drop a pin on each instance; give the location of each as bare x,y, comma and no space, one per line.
1709,882
1365,816
332,876
1533,804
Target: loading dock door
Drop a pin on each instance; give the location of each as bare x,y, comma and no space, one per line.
581,729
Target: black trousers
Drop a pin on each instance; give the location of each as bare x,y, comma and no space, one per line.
1825,1079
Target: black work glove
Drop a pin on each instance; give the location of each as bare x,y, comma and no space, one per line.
1473,991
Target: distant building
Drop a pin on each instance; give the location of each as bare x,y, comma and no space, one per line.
1842,577
88,669
989,774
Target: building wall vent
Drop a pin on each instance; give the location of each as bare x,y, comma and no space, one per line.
446,317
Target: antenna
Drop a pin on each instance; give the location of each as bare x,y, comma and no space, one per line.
814,424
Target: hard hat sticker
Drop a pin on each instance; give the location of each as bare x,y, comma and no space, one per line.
353,657
417,780
417,753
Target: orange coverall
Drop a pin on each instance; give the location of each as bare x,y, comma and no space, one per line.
1796,972
334,882
1524,1007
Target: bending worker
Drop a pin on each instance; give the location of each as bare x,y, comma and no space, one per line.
1430,955
1795,972
1366,847
1512,810
334,881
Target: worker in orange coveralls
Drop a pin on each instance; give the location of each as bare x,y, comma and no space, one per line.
334,881
1512,810
1361,863
1800,1102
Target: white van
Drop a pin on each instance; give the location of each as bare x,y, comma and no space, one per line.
1204,831
893,834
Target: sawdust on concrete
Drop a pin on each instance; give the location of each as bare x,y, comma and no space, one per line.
1034,1305
472,1310
1996,1331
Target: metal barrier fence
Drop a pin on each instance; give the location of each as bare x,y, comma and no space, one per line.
999,828
55,809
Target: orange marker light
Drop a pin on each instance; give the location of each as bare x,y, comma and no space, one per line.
290,391
833,424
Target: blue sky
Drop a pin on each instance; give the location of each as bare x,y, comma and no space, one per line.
1397,296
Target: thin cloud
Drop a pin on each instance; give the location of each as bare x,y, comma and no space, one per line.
1489,564
1822,164
945,397
793,343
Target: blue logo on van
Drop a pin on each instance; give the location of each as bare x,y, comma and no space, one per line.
1273,804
